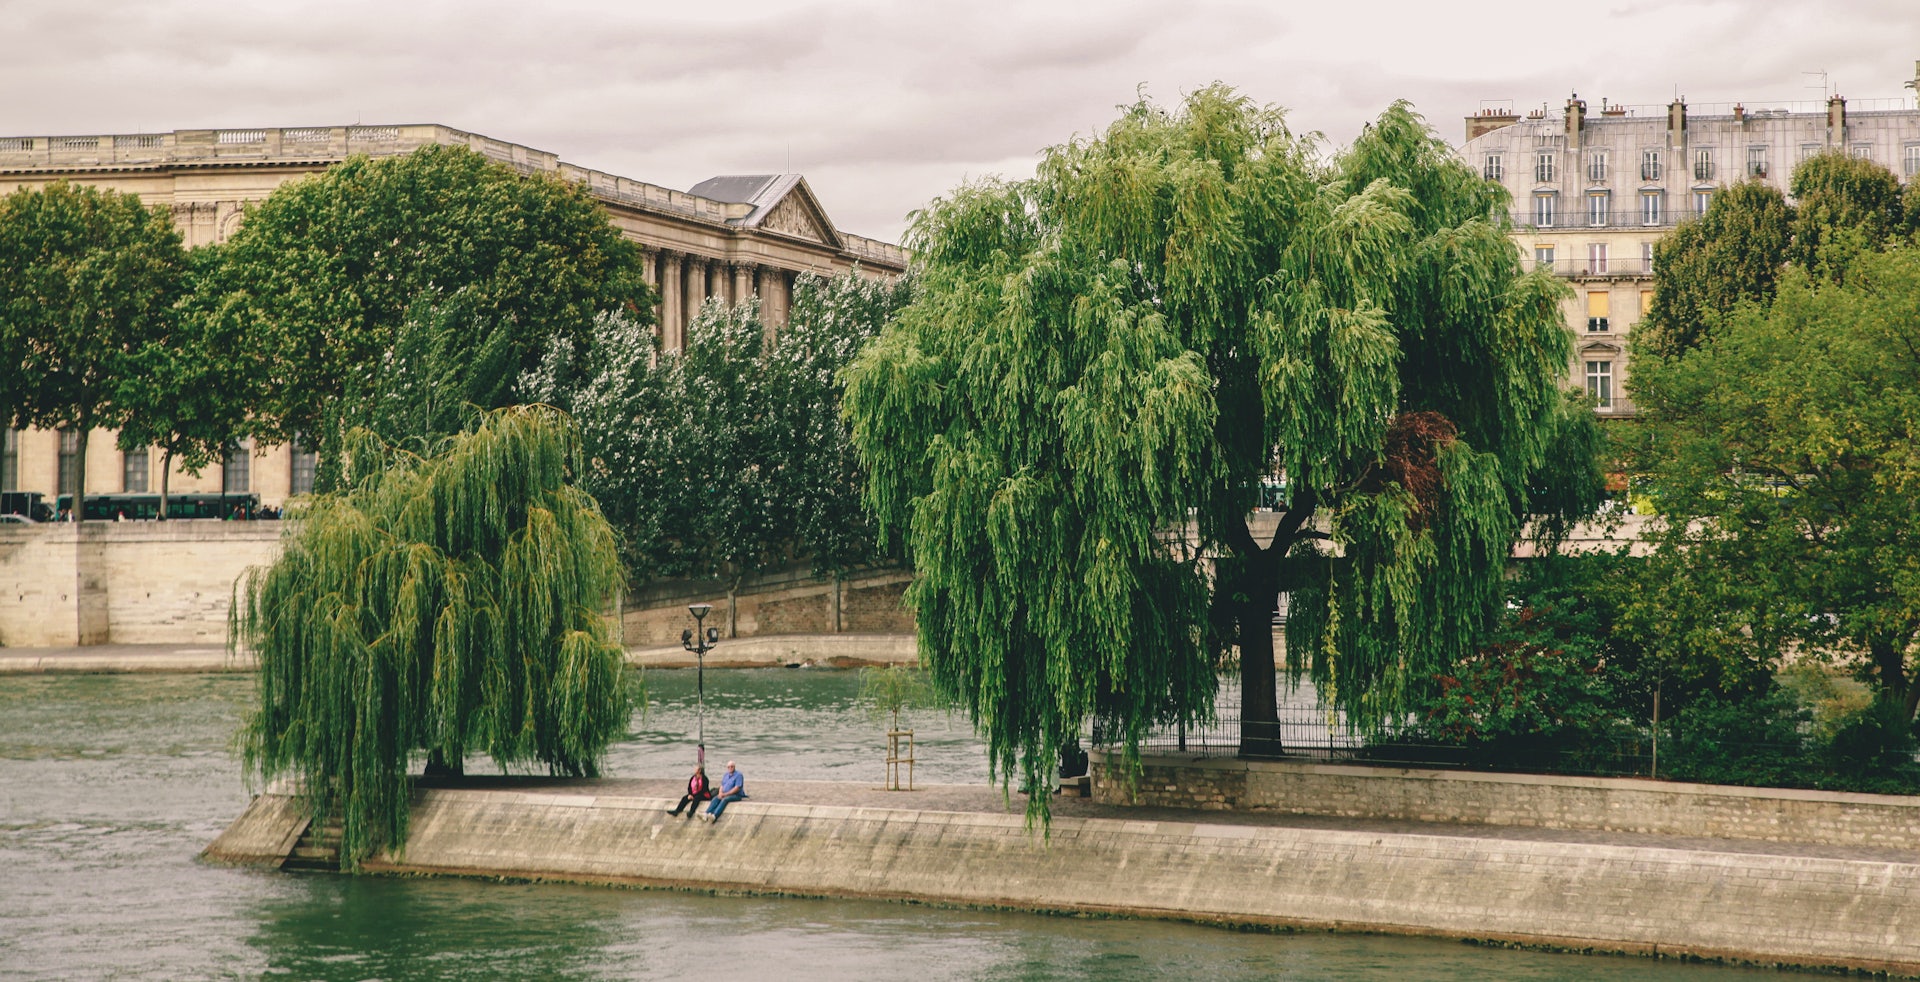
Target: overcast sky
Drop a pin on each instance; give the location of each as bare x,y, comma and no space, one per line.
883,105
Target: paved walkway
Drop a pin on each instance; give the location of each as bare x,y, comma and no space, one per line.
990,800
767,651
121,658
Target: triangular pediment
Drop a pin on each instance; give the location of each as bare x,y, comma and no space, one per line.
797,212
1600,347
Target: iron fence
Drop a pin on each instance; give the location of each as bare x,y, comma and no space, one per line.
1309,730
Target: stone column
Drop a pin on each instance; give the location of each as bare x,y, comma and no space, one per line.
742,282
696,293
766,277
670,334
717,281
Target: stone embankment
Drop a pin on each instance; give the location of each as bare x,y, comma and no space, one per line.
1747,900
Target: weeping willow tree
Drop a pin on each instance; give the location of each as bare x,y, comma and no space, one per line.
1073,422
439,605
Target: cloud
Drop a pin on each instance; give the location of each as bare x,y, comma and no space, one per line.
887,104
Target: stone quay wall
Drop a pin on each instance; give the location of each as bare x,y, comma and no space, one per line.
791,602
88,583
1529,800
1662,899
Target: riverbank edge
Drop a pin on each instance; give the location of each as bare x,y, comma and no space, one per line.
1686,901
767,651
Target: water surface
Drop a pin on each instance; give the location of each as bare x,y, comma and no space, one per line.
109,786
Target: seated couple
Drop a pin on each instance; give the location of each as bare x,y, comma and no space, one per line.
733,787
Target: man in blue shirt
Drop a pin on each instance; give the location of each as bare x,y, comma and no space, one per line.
733,787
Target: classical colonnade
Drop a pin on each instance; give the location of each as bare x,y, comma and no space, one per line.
686,280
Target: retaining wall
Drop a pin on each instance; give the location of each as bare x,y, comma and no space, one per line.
1531,800
1751,906
87,583
791,603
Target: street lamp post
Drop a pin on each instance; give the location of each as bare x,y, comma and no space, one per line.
700,640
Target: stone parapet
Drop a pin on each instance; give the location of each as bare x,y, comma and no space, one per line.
1524,800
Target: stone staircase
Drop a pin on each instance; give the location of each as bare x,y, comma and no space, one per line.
318,849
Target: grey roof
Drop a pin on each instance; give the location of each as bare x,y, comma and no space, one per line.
737,189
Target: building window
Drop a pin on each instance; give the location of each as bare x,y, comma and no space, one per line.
1597,311
300,480
1600,383
1808,150
1543,257
1652,208
1646,257
1646,302
69,475
1596,258
1495,168
133,471
1910,160
1543,210
1597,166
1862,151
9,460
1756,161
1649,165
1701,199
1597,208
1703,164
1543,168
236,468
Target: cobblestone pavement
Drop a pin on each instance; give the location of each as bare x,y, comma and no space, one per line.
990,800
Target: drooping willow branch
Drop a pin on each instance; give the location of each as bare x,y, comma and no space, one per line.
440,605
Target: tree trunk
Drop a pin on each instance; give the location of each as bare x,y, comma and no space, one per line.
80,473
1890,663
1259,702
1252,579
166,475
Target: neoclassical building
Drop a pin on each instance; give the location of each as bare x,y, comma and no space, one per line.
1593,191
729,237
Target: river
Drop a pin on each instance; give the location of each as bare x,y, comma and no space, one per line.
110,785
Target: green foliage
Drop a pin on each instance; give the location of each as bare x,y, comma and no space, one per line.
1790,495
1843,206
1710,265
1127,345
889,690
194,382
90,276
439,261
1743,738
731,456
446,604
1538,689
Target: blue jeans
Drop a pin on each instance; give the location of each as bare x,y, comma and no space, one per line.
720,804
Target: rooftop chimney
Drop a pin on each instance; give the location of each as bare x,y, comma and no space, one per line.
1487,120
1677,124
1576,119
1836,122
1739,113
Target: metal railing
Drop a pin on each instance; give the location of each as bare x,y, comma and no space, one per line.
1307,730
1574,214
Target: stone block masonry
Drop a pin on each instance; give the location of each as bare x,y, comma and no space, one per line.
1525,800
90,583
1614,894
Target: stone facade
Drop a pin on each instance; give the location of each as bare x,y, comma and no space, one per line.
125,582
1527,800
733,237
1592,193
